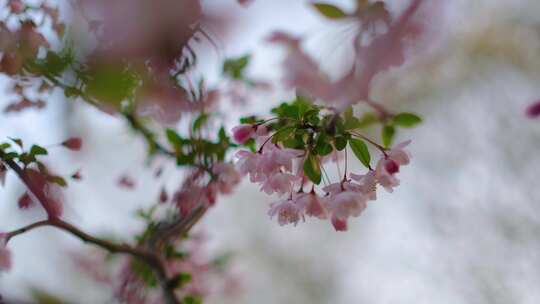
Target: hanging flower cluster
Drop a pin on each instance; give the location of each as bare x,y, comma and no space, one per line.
290,151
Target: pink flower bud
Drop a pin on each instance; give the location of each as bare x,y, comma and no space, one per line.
533,111
242,133
339,224
25,201
391,166
5,254
74,143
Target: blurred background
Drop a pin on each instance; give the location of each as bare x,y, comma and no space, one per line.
463,227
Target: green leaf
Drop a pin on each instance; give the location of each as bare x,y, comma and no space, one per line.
111,84
388,133
43,297
192,300
361,151
283,134
406,120
350,122
11,155
322,147
340,142
329,11
235,67
200,121
37,150
174,139
60,181
18,141
4,146
367,120
312,169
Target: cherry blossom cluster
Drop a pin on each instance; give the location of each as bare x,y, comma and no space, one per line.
289,157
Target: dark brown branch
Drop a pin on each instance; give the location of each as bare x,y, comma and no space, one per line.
149,258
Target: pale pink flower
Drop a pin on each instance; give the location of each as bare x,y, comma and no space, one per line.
280,183
390,164
301,71
367,184
243,133
346,204
312,205
339,187
276,158
384,177
287,212
5,254
248,163
227,177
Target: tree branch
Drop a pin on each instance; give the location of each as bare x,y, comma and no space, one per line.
149,258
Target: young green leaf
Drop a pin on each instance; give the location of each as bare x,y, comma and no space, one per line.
37,150
407,120
174,139
234,67
340,143
329,11
361,151
388,133
312,169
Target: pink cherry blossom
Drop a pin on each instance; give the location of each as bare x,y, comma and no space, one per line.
346,204
227,177
287,212
280,183
312,204
390,164
367,184
248,163
5,254
243,133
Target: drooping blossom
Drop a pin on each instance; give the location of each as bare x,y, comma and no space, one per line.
344,200
287,212
5,254
389,165
312,204
385,51
262,165
533,111
227,177
243,133
367,184
280,183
